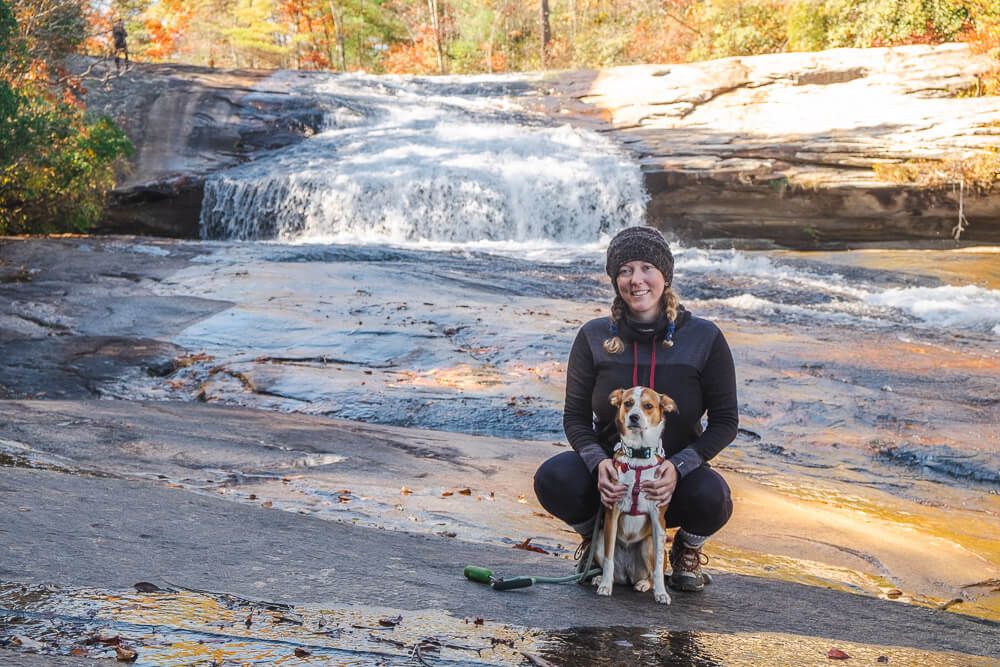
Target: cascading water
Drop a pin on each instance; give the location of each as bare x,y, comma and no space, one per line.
405,160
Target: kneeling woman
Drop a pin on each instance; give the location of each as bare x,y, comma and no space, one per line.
649,340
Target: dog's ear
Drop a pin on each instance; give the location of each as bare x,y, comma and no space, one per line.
616,397
667,404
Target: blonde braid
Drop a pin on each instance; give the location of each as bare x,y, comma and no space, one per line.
670,305
615,345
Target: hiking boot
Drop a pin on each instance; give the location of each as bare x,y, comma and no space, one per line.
685,567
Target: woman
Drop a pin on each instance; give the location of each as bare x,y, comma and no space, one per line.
649,340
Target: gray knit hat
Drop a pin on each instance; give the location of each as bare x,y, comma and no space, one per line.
640,243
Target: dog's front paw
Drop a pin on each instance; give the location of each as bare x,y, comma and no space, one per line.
604,589
662,598
643,585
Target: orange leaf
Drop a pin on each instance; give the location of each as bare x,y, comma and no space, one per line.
836,654
466,491
405,491
528,546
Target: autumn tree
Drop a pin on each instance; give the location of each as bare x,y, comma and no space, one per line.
56,161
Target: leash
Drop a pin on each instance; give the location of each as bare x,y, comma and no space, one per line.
584,573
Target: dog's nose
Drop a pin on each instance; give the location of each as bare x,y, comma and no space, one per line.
633,418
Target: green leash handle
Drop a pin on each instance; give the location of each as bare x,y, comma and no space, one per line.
479,574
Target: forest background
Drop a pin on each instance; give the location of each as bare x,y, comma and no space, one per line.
57,161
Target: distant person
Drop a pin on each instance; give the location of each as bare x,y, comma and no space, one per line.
119,35
649,339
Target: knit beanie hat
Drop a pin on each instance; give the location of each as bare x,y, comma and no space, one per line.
645,244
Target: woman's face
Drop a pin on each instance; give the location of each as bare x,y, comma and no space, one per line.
641,285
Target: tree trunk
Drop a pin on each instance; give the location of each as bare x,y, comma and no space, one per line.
338,29
434,9
546,31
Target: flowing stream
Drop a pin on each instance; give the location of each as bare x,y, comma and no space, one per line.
448,159
427,258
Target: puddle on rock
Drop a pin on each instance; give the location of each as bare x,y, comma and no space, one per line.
188,627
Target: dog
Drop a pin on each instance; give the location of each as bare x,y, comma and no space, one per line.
629,547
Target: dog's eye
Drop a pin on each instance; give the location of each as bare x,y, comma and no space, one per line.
648,406
629,404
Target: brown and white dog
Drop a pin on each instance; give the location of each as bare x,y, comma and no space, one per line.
629,547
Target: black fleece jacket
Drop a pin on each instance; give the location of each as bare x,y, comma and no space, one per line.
697,372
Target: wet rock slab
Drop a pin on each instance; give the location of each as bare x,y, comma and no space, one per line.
83,531
76,316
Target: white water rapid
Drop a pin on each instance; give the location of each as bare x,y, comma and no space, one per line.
406,160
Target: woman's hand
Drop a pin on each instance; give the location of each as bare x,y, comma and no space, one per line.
607,483
661,488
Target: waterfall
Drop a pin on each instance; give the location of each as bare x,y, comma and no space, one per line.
405,159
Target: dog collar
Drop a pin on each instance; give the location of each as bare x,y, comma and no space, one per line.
636,452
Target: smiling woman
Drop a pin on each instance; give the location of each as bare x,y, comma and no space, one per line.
674,353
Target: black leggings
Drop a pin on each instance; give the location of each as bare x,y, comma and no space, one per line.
701,503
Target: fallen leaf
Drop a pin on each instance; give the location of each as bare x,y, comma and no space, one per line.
405,491
78,652
125,654
893,593
883,658
390,622
249,620
479,620
343,491
466,491
146,587
253,496
301,653
836,654
448,533
528,546
520,499
447,493
944,605
344,499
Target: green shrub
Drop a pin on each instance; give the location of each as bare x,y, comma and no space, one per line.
56,163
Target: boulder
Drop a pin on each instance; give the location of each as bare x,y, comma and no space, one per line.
185,123
783,147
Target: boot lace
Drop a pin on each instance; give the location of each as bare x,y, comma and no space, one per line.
688,559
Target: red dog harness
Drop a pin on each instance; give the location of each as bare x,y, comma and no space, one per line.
633,510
